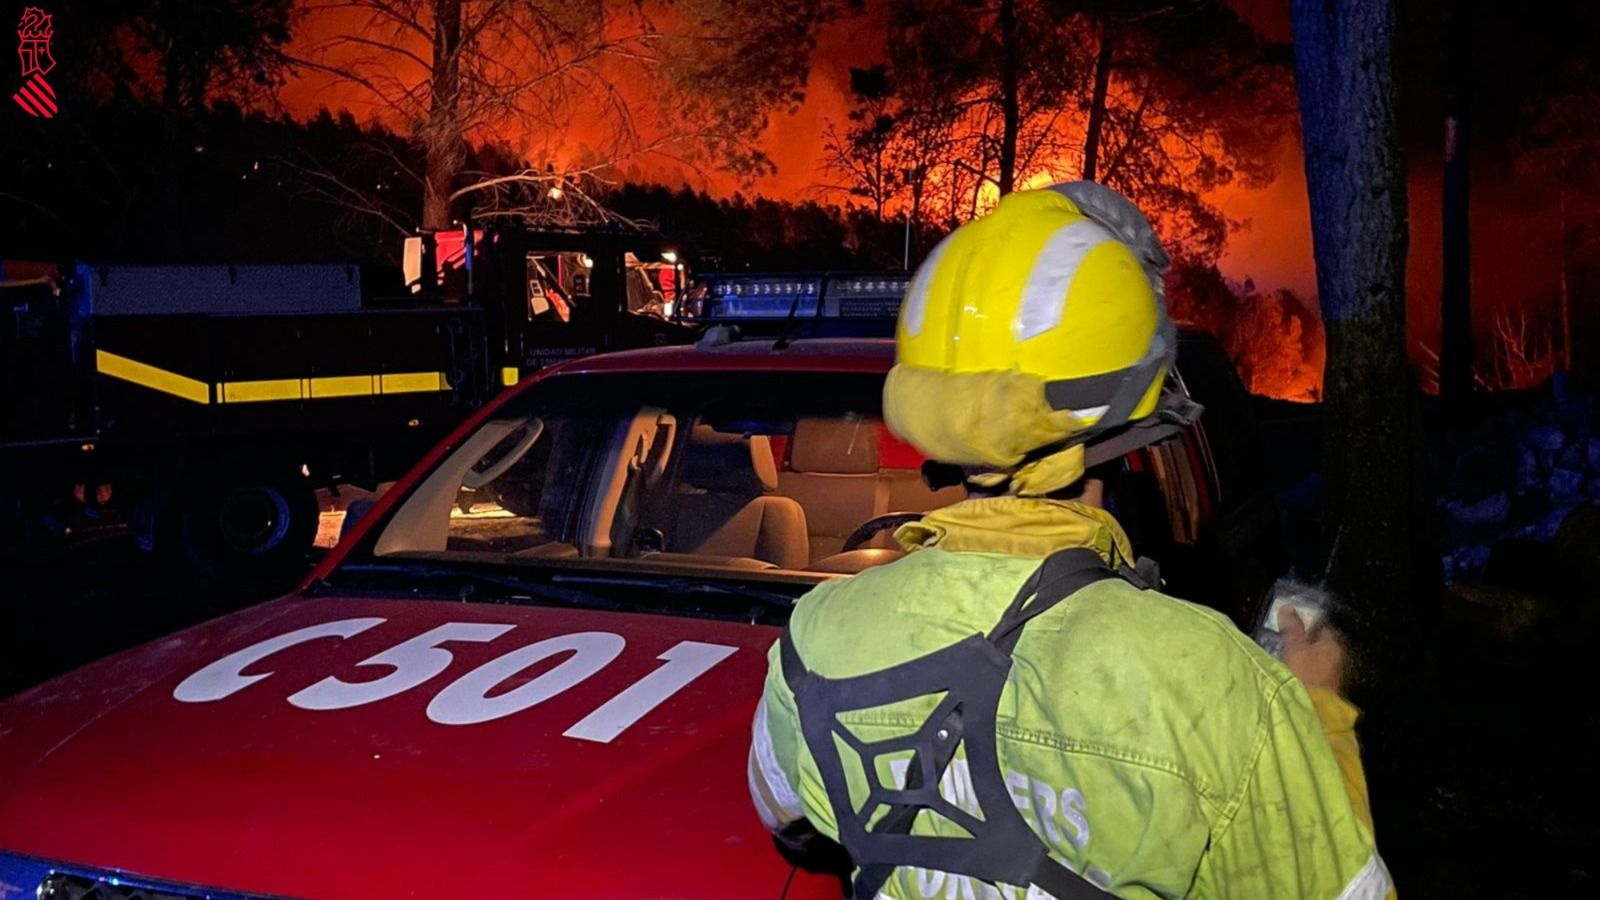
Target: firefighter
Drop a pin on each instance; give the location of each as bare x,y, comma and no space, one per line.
1013,709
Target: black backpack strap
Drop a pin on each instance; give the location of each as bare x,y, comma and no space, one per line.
1002,847
1061,575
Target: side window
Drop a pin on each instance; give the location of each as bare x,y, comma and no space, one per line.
1174,469
647,292
558,284
519,495
1228,422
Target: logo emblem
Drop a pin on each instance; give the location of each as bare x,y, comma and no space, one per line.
34,32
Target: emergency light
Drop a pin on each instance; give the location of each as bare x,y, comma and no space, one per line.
798,295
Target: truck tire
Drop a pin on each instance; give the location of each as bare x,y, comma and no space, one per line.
245,523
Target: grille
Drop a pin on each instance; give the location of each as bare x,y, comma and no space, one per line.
62,886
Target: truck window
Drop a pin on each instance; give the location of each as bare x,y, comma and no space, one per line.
558,284
648,287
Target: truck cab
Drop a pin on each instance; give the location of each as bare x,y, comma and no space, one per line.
205,404
554,295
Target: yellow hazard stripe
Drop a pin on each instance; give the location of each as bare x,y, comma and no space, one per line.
343,386
259,391
151,377
412,382
509,376
271,389
331,386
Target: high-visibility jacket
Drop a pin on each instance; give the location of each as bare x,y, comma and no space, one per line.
1153,747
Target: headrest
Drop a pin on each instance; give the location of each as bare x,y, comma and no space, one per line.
846,446
729,462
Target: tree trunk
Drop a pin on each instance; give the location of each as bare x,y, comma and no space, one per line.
1564,290
441,136
1381,560
1455,354
171,81
1372,460
1010,105
916,210
1097,103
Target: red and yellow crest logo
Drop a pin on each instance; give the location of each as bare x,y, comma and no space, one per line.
34,33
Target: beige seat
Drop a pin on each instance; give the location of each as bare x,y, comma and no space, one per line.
909,493
723,505
833,472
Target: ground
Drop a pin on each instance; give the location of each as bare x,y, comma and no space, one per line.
1488,790
1491,788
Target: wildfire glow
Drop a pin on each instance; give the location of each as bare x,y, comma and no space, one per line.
1271,249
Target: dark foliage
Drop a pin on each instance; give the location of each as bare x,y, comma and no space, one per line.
128,182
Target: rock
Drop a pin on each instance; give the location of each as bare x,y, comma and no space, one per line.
1482,469
1577,545
1492,509
1475,522
1545,529
1524,565
1527,467
1574,456
1545,437
1466,562
1572,405
1546,458
1565,484
1502,612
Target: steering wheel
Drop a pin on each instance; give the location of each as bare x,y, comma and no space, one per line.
865,531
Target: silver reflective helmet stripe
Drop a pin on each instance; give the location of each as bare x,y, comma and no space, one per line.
914,309
1044,297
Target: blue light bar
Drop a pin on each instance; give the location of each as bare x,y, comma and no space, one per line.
865,296
804,294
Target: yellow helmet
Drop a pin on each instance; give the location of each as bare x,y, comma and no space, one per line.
1031,332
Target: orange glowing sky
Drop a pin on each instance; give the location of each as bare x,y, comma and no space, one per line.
1274,248
1514,262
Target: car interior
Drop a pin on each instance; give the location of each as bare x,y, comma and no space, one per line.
718,487
810,493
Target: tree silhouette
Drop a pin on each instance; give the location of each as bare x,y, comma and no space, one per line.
179,53
1560,142
568,87
1164,101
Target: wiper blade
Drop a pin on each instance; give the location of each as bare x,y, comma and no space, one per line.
500,588
678,585
560,587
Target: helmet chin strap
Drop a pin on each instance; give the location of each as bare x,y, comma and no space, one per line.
1173,413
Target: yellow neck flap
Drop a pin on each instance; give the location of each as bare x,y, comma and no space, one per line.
1019,526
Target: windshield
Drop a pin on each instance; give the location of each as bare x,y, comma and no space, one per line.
700,474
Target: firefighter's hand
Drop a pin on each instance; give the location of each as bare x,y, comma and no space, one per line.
1317,660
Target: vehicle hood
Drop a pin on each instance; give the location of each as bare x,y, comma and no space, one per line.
108,768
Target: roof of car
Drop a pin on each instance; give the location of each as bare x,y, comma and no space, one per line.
834,354
805,355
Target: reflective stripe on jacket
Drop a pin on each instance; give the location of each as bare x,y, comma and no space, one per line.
1150,744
